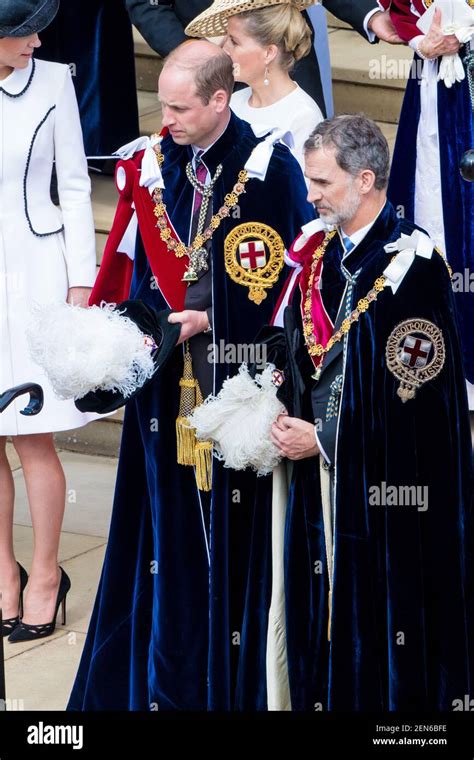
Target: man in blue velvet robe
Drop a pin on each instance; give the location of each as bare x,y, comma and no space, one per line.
379,527
167,620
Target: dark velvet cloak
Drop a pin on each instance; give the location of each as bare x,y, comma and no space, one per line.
166,630
403,594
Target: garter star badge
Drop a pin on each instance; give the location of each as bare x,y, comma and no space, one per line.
415,354
254,257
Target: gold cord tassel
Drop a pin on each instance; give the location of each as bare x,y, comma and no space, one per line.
186,439
204,465
191,451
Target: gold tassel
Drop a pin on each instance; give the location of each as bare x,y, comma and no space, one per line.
204,465
190,451
186,442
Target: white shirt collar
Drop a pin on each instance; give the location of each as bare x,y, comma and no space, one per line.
18,81
358,236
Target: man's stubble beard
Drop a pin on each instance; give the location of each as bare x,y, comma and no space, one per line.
351,206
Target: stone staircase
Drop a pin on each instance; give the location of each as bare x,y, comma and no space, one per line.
368,78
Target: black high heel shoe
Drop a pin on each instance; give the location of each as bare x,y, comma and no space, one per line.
25,632
9,625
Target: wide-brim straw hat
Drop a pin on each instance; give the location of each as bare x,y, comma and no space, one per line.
213,21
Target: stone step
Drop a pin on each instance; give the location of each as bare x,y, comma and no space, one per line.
104,198
100,438
148,64
368,78
150,112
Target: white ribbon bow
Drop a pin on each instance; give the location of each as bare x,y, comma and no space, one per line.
151,176
408,246
259,160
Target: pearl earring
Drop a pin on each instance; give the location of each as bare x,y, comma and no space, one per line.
266,81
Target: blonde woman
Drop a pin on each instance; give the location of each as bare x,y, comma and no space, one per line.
265,43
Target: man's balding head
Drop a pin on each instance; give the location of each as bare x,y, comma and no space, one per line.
194,90
210,66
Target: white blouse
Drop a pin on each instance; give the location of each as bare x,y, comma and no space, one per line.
297,113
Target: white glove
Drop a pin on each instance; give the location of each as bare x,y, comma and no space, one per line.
451,70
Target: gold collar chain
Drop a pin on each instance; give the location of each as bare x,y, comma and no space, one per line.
317,349
178,248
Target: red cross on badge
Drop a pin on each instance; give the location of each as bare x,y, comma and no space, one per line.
278,377
252,254
415,352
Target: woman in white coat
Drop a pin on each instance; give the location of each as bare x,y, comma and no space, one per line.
47,253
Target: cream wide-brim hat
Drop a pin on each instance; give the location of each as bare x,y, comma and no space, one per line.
213,21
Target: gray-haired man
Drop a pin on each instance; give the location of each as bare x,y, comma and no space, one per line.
378,532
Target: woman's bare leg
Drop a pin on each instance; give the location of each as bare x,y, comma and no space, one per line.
46,489
9,575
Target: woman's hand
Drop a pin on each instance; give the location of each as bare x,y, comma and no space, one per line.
435,43
79,297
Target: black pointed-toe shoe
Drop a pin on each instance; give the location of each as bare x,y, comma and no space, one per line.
9,625
25,632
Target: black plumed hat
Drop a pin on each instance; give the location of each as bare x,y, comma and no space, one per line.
165,335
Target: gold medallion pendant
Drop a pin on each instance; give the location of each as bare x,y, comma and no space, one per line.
254,257
415,354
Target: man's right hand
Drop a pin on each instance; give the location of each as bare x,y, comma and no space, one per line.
435,43
382,26
192,322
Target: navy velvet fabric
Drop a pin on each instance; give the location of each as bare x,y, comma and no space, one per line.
95,38
401,635
456,136
177,638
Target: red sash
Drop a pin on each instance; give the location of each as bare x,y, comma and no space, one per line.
115,274
323,327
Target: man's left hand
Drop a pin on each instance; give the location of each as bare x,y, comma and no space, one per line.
381,25
79,296
192,323
294,438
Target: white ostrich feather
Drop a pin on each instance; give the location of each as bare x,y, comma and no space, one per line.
239,421
83,350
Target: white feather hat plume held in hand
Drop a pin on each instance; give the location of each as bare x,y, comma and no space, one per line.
81,350
238,421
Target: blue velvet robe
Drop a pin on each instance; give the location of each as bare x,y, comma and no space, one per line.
95,38
166,640
397,569
456,136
